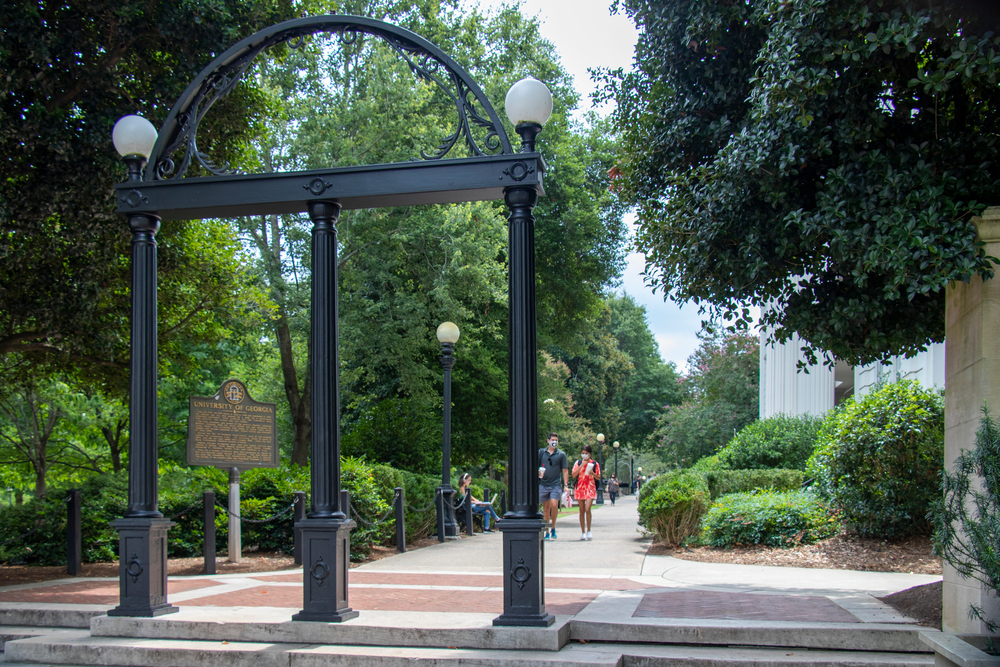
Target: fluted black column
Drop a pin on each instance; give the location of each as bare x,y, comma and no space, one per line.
326,530
522,525
142,533
143,419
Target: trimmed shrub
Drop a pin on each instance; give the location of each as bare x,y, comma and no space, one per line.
706,464
723,482
880,458
771,518
674,505
776,442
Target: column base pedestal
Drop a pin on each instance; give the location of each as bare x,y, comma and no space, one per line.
142,567
524,574
326,555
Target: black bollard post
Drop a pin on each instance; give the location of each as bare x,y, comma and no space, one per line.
345,502
439,504
503,501
208,515
469,524
400,521
74,533
486,495
300,513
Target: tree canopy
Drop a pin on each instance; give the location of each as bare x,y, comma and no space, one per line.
721,396
72,69
820,159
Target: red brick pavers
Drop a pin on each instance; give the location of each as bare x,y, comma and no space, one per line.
393,599
388,591
471,580
93,591
741,607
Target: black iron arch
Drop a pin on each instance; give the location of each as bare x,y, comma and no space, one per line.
425,60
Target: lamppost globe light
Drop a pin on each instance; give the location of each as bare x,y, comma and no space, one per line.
447,332
615,444
600,438
528,101
134,135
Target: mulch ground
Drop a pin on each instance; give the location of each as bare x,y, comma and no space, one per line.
922,603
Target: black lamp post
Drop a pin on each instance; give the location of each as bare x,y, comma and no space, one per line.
528,105
616,457
600,456
158,188
447,526
142,532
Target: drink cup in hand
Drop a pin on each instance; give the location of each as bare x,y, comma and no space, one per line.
541,472
590,467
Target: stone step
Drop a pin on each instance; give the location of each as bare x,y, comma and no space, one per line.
79,648
889,637
46,615
476,631
9,633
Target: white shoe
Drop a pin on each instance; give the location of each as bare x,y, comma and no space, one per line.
583,537
589,536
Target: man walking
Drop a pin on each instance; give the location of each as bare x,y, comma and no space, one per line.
553,474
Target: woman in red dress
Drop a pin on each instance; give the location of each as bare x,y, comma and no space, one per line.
587,473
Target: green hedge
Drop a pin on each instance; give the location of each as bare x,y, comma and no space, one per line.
776,442
672,504
771,518
264,493
880,458
724,482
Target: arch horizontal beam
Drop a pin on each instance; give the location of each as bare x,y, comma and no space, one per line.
370,186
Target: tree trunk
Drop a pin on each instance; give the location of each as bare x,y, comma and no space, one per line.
299,402
114,440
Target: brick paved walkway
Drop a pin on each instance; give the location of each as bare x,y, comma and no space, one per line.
741,607
386,591
437,592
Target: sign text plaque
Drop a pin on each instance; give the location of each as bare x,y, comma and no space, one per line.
231,429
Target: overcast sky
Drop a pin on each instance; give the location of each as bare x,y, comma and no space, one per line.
587,35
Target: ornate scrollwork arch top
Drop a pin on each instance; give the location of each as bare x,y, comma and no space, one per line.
425,60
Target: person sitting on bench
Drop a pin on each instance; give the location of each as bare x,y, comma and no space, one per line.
478,506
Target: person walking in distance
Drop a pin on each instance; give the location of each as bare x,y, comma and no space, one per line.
553,474
587,474
613,489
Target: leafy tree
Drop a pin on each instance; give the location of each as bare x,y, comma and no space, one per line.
39,431
599,377
653,383
820,159
403,271
720,397
556,410
71,69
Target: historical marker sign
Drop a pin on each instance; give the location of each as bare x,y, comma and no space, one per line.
231,429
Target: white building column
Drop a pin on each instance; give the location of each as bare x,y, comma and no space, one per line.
784,389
